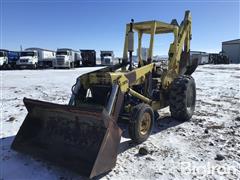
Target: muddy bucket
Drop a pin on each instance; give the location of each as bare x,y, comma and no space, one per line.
84,139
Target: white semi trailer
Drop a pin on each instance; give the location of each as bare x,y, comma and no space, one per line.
36,58
67,58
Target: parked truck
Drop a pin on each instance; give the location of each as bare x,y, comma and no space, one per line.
107,57
218,58
67,58
36,58
8,59
88,57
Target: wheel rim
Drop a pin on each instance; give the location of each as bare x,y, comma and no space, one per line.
145,123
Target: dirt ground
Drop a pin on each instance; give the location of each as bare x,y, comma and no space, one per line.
207,146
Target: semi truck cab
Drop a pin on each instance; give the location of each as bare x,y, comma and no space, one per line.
64,59
28,59
8,58
107,60
107,57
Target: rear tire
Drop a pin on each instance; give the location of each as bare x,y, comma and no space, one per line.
182,98
141,123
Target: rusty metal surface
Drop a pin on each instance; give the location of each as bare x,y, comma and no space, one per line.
84,139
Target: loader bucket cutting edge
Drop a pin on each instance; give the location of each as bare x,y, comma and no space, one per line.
84,139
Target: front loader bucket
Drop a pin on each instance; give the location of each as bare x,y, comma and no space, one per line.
84,139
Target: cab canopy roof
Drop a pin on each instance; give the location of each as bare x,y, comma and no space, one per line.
146,27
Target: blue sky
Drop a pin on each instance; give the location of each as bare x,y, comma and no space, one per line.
101,24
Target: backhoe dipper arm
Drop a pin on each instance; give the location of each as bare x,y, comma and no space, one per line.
180,48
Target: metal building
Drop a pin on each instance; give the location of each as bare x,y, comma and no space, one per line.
232,50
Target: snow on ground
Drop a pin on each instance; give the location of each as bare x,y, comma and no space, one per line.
177,150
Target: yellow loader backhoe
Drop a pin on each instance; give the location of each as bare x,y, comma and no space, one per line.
84,135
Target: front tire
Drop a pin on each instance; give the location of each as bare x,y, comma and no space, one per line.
5,66
182,98
72,65
34,66
141,123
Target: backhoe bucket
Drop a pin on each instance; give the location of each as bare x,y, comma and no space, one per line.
84,139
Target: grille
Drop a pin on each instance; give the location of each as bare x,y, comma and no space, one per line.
24,60
60,60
